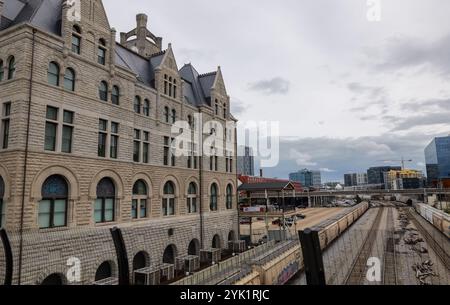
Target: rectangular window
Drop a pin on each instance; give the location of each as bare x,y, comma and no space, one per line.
136,151
50,136
2,213
145,152
76,44
67,139
103,125
52,213
166,150
102,144
114,146
101,56
7,109
5,133
216,163
104,210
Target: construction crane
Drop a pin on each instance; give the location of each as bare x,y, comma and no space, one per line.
403,161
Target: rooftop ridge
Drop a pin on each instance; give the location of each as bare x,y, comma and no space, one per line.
208,74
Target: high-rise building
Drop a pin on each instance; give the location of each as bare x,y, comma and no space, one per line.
437,156
307,178
245,161
350,180
91,119
376,175
355,179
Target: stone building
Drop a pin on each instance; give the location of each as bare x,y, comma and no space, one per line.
88,176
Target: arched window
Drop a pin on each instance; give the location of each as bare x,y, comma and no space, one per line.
103,91
168,204
174,116
11,67
216,243
146,107
69,79
194,247
2,70
166,114
229,197
231,236
53,206
105,202
76,39
115,95
102,52
192,198
139,201
53,74
2,205
169,254
104,271
137,104
53,280
213,198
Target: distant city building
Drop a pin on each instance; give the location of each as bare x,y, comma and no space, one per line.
377,175
350,180
245,161
307,178
355,179
404,179
437,156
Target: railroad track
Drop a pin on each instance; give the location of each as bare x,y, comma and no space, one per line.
357,272
431,242
390,259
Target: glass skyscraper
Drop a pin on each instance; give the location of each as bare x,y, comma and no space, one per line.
437,156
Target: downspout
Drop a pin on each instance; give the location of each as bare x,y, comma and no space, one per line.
200,134
26,157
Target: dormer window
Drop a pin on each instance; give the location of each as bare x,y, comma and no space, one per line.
170,86
76,39
102,52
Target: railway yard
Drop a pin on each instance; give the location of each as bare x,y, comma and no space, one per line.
400,246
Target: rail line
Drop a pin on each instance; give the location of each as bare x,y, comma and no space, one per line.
357,271
390,259
437,248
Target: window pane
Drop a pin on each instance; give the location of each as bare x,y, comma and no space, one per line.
50,136
194,205
143,208
101,56
98,211
59,218
109,210
164,207
2,213
68,117
52,113
75,44
44,214
53,74
171,206
134,209
145,153
5,135
136,151
67,139
114,127
102,145
114,146
102,125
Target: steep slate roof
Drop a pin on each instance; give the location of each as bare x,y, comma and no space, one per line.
197,87
46,15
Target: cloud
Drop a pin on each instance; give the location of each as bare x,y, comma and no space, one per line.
372,92
238,107
408,52
302,159
275,85
327,170
337,156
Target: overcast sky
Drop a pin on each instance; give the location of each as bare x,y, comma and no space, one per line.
347,92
